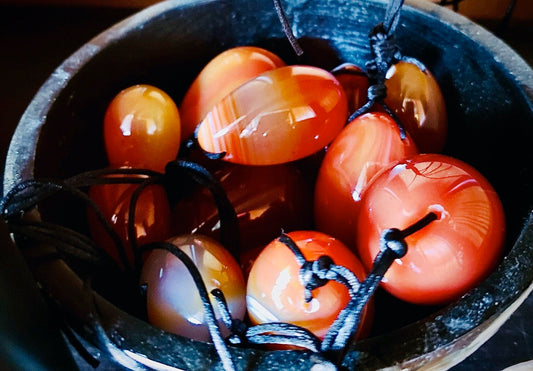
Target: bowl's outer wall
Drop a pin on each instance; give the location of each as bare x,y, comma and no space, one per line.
488,92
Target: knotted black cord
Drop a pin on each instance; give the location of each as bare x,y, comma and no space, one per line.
385,53
209,312
266,333
392,247
287,28
316,273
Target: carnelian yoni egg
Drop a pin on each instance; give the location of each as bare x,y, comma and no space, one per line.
151,222
275,293
172,298
451,254
220,77
355,84
282,115
267,200
142,128
366,145
415,97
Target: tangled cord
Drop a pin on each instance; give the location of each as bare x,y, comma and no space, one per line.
384,52
26,195
312,275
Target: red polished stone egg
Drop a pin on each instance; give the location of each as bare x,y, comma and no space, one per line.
450,255
274,292
282,115
366,145
220,77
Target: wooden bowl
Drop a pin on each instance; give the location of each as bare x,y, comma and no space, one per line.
488,90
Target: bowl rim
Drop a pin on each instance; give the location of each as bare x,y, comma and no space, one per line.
19,164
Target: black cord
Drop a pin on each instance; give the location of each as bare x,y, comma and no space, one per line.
287,28
209,312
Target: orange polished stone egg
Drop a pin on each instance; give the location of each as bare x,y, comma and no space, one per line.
282,115
275,294
220,77
415,97
142,128
365,146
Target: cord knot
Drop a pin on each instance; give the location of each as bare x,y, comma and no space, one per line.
315,274
384,49
394,240
376,92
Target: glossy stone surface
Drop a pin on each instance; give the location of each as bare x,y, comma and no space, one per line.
450,255
415,97
220,77
364,147
142,128
267,200
274,292
280,116
486,85
355,84
172,298
151,223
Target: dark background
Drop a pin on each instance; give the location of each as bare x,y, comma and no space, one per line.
34,40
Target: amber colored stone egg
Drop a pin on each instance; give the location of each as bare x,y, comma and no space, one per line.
219,77
142,128
280,116
366,145
415,97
